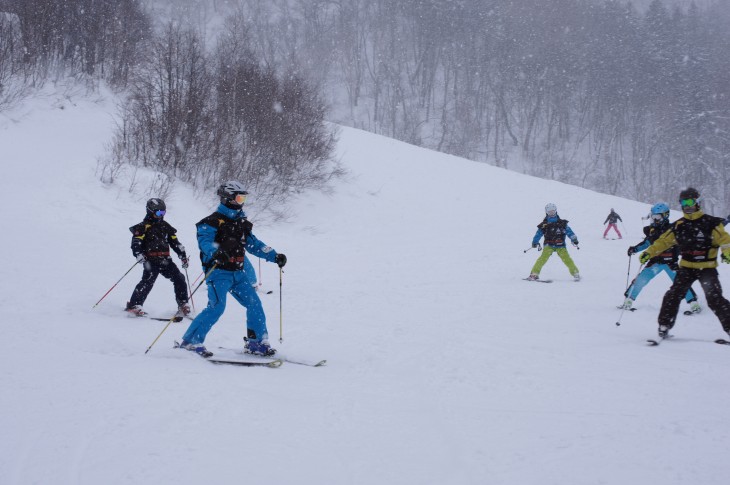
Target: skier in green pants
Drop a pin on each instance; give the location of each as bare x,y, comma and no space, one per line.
555,231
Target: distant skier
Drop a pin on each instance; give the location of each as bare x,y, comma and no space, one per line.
611,220
700,238
151,242
224,237
666,261
555,230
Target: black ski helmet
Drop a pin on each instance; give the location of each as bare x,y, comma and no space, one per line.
154,205
228,192
689,193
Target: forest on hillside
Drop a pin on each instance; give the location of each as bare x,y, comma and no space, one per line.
189,111
598,94
623,99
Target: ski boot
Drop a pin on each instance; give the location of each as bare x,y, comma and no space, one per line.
197,348
663,331
576,276
533,277
695,307
258,348
183,309
627,304
135,310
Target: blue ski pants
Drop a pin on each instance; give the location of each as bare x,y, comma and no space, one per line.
237,283
647,274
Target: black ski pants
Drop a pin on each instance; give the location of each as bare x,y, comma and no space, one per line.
152,269
713,293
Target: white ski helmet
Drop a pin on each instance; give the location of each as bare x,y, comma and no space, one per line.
551,209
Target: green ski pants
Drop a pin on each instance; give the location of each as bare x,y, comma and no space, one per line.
547,252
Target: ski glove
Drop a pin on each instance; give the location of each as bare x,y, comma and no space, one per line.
534,245
280,260
725,257
220,257
146,264
644,258
185,261
574,242
632,250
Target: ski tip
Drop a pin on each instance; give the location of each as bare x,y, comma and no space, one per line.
652,343
722,341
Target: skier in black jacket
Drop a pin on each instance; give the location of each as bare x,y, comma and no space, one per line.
611,220
701,238
151,242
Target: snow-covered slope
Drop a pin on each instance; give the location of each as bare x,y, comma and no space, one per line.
444,366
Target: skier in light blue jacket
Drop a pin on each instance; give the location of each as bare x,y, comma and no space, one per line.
666,262
224,237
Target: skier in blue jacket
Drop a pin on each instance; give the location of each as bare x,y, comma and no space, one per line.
224,237
667,261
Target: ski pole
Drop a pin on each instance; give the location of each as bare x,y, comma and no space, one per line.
261,276
281,318
628,273
115,284
618,322
539,248
628,285
623,309
196,279
624,227
173,317
187,278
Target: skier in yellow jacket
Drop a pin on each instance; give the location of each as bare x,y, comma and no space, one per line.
700,238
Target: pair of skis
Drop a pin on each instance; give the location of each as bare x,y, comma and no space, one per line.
272,362
244,359
176,318
538,280
251,360
656,342
541,281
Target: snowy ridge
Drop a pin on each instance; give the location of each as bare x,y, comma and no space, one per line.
444,367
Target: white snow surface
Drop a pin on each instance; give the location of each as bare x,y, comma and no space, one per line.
444,366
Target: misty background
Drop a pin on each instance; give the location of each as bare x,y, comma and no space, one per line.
627,98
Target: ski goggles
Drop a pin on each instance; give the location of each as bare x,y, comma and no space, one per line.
551,213
240,198
160,213
688,202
